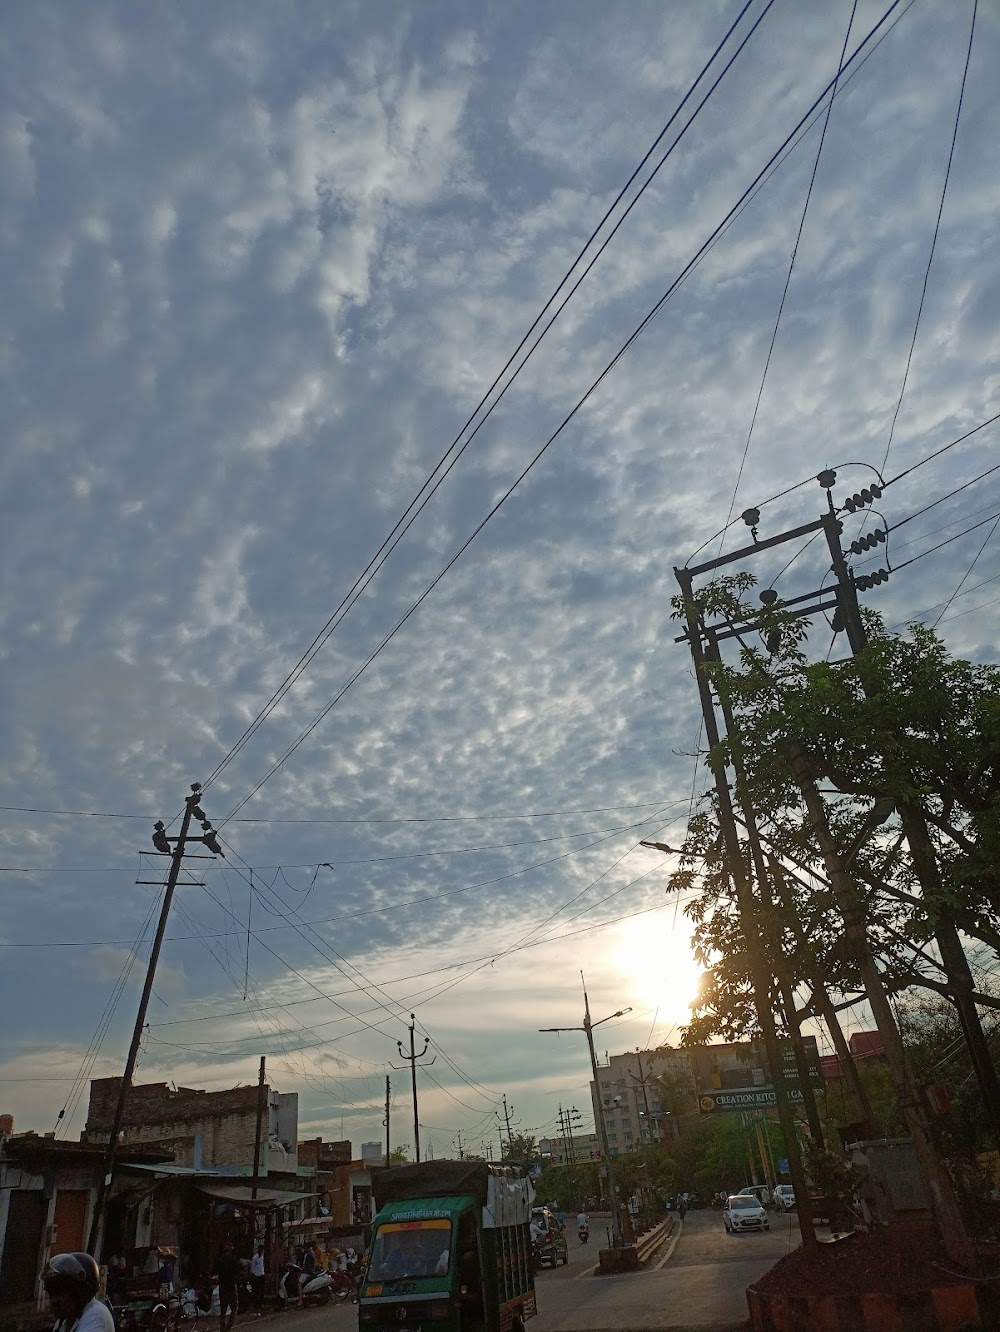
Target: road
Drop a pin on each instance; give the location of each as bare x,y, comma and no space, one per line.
697,1281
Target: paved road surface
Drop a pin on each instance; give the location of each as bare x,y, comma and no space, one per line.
697,1282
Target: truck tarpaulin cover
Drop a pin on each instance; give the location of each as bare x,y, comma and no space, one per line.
505,1193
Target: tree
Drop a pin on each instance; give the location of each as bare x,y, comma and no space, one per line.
523,1149
399,1155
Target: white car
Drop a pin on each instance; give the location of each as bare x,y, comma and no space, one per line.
784,1197
743,1212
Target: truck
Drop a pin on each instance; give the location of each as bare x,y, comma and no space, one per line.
450,1249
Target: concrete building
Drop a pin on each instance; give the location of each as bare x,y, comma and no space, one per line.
643,1096
200,1129
203,1194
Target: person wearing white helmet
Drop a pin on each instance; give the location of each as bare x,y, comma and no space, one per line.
71,1281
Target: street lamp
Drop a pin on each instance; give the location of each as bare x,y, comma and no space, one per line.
588,1030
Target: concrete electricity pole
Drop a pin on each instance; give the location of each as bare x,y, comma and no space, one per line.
411,1059
192,810
386,1120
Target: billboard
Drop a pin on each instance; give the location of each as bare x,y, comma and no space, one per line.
743,1098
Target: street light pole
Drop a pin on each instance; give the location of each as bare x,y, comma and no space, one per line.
588,1030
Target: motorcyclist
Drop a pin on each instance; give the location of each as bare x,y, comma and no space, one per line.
582,1221
71,1281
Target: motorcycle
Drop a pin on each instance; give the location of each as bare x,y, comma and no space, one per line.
317,1289
584,1234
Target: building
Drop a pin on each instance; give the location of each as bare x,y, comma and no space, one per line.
643,1096
200,1129
373,1153
48,1188
204,1192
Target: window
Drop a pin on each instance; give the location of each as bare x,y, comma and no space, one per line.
628,1137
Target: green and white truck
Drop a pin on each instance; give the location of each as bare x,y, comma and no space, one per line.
450,1249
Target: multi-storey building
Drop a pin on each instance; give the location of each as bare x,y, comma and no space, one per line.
642,1096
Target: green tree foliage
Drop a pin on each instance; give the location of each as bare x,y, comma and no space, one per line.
399,1155
523,1149
901,723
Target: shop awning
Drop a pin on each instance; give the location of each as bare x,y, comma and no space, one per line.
243,1195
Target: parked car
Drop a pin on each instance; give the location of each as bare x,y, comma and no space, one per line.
744,1212
759,1191
548,1238
783,1197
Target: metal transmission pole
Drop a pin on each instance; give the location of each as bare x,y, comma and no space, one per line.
386,1120
411,1059
192,810
588,1030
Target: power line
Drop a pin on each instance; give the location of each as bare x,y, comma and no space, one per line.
896,568
431,485
791,267
633,337
951,493
937,228
969,570
430,818
937,452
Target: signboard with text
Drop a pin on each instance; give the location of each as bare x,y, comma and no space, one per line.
743,1098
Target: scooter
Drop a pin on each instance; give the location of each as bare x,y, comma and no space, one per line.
584,1234
317,1289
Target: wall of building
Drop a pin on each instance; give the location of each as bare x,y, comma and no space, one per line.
204,1129
631,1118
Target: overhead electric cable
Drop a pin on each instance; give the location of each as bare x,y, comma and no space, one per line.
429,818
637,332
431,484
897,567
937,452
941,499
791,269
968,571
937,228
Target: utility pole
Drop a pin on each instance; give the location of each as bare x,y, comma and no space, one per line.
192,810
461,1152
411,1059
506,1116
645,1098
748,913
386,1120
588,1030
261,1106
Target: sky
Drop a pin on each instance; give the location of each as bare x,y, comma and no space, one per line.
260,265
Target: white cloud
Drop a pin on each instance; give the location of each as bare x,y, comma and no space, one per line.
260,265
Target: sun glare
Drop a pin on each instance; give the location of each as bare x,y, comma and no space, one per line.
655,955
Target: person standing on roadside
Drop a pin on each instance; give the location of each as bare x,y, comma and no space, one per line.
257,1279
228,1271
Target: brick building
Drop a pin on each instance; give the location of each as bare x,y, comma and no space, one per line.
200,1129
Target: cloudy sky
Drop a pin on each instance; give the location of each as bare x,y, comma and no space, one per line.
260,264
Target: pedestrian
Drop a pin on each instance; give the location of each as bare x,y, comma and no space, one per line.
228,1271
257,1279
682,1207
